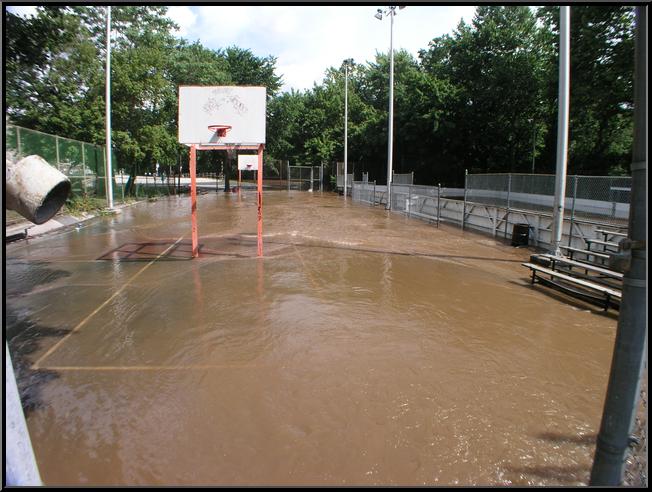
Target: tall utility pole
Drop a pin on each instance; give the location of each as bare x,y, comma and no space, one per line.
391,12
621,402
108,171
346,124
562,128
390,135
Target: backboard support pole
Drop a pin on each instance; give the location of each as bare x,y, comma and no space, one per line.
260,200
193,199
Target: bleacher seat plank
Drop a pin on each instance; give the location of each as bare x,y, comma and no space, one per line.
608,292
586,266
611,233
597,254
601,242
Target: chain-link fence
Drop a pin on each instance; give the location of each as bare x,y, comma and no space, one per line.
350,176
81,162
496,203
275,174
601,198
305,178
415,200
405,178
364,191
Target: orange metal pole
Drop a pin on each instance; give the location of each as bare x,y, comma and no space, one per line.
260,200
193,199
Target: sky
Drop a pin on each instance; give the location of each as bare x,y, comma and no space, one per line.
307,40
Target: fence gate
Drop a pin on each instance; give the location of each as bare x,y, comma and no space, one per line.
305,178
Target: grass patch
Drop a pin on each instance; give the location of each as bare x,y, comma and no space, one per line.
79,204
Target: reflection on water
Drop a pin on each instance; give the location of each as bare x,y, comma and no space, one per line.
365,349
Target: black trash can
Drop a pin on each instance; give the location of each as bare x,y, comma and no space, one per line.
520,234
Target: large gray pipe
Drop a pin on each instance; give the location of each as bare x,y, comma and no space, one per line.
33,188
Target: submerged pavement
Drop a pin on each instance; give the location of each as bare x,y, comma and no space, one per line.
364,348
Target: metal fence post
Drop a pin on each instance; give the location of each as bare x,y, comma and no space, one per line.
18,146
56,144
83,169
409,202
373,203
438,202
466,178
509,189
288,176
572,218
613,198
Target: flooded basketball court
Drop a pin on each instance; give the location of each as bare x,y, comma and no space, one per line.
364,348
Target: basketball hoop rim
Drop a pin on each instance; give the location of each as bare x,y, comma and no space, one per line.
221,130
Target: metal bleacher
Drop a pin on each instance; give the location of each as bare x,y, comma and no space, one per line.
587,277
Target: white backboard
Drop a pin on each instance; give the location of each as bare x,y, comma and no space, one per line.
248,162
243,108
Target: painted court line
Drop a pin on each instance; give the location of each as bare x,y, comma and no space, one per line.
36,365
201,367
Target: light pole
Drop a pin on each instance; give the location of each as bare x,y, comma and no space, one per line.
562,128
108,170
346,123
391,12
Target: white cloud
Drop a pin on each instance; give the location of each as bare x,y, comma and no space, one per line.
218,27
23,10
306,40
184,17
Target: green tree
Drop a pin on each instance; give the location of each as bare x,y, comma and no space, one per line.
142,93
284,130
53,72
601,90
247,69
56,81
495,76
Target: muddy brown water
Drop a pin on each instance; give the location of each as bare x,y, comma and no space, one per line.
364,348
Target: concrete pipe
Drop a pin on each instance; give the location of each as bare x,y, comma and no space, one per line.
34,189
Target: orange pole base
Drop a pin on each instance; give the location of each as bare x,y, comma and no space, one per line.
193,199
260,200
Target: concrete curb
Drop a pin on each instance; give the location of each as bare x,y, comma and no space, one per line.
58,222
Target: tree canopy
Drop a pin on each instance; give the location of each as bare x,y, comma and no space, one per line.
483,98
